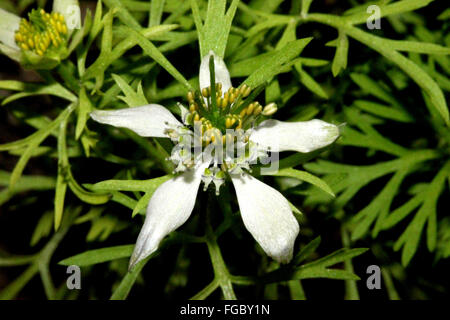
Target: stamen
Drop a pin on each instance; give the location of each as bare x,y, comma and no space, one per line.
270,109
43,31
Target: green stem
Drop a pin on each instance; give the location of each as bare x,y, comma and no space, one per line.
206,291
351,289
221,273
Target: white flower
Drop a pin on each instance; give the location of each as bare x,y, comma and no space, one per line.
9,24
265,212
19,35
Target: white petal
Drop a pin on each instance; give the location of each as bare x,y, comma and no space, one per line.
148,121
70,9
170,207
220,70
9,24
12,52
267,216
184,112
303,136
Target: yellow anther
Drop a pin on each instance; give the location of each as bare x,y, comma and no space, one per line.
270,109
64,28
190,97
250,108
196,117
233,97
243,113
245,90
40,52
224,102
30,43
205,92
192,107
257,110
59,26
24,46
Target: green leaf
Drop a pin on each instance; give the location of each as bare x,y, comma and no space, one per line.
340,58
86,196
370,86
410,68
61,182
411,236
16,260
303,176
305,7
274,65
388,9
43,228
350,179
417,46
32,143
128,281
124,15
336,257
153,52
142,204
130,185
96,256
104,61
403,211
32,89
213,34
156,12
309,82
289,35
84,107
306,251
384,111
132,98
378,208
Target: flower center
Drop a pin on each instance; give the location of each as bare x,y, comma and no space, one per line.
41,32
219,112
218,127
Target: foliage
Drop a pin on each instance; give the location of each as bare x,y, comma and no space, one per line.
76,192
